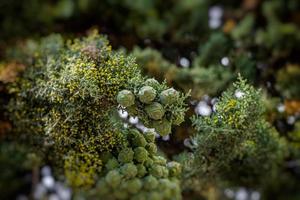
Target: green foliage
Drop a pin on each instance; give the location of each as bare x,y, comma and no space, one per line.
65,98
230,144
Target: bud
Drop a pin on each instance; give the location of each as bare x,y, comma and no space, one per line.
147,94
150,135
125,98
174,168
168,96
125,155
133,186
151,82
140,154
137,138
155,111
112,164
141,170
113,178
156,170
159,160
129,170
162,127
151,148
150,182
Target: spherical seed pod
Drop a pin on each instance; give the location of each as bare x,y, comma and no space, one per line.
149,162
151,82
137,138
150,182
155,111
168,96
151,148
129,170
125,98
147,94
140,154
156,170
113,178
112,164
125,155
149,135
141,170
155,196
174,168
162,127
159,160
134,185
165,185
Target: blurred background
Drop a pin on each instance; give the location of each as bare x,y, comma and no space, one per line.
192,44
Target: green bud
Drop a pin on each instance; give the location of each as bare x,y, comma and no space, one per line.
174,168
129,170
147,94
168,96
165,172
134,185
140,154
165,185
150,135
112,164
125,155
162,127
141,170
113,178
125,98
151,148
137,138
156,170
150,182
155,196
139,196
149,162
159,160
132,110
151,82
155,111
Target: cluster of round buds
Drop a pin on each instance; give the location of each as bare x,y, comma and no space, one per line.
137,172
154,105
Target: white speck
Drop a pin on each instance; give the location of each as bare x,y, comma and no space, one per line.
166,137
215,12
125,125
39,191
281,108
241,194
63,192
184,62
133,120
225,61
255,195
53,197
229,193
239,94
203,109
141,127
123,114
48,181
214,23
214,107
46,171
214,100
291,120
